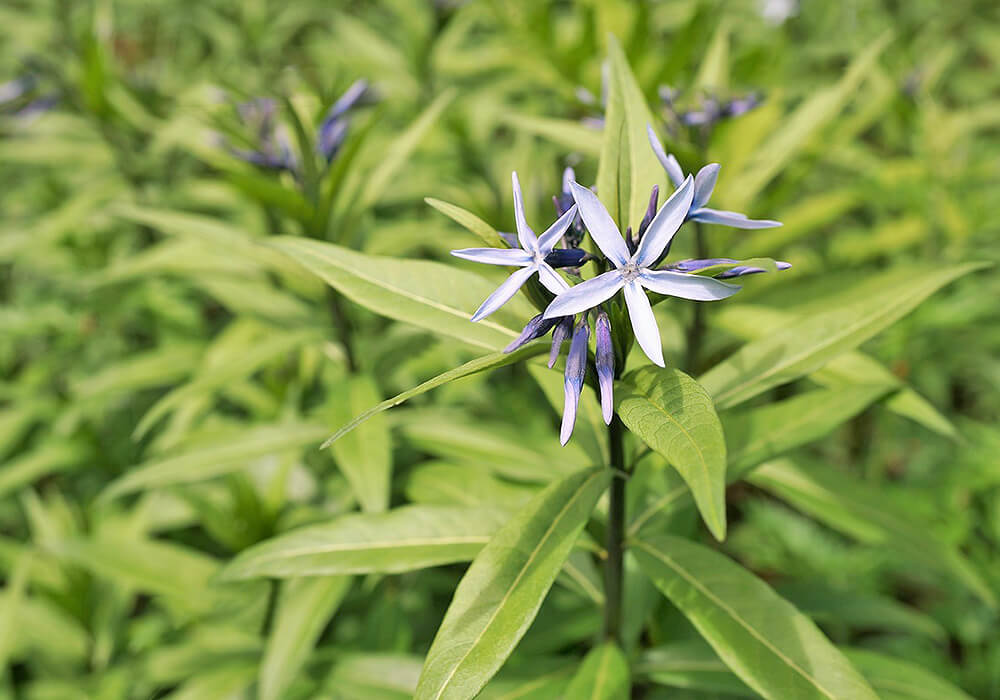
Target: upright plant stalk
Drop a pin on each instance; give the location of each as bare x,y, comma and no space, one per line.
696,332
613,570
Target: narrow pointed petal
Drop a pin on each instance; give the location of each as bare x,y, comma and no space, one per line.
586,295
547,241
535,328
647,333
679,284
576,367
742,270
601,226
668,162
351,95
699,264
495,256
704,183
730,218
665,224
503,293
551,280
604,361
524,232
559,334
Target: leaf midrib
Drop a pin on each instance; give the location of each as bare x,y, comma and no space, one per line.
734,615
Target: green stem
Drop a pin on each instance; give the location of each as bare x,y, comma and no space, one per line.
613,571
343,325
696,332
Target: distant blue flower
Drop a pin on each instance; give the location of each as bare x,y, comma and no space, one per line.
576,368
15,89
530,257
633,271
333,129
703,185
604,362
737,271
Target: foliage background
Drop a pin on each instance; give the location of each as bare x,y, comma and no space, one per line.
166,377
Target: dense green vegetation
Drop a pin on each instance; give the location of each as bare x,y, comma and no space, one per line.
202,278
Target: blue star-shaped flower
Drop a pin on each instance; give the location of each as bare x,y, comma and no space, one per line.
530,257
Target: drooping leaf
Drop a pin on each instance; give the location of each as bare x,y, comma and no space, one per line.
469,221
770,645
603,675
501,592
896,679
305,606
672,414
807,343
851,507
402,539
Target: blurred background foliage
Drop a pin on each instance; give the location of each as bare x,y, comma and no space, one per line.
165,378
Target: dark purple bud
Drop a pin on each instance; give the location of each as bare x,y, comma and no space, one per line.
604,357
562,202
654,198
567,257
559,334
631,242
741,105
535,328
576,368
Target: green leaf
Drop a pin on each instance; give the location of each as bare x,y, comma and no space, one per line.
502,590
851,507
31,465
693,665
563,132
674,415
895,679
375,181
231,452
10,605
305,607
758,434
440,298
806,344
444,483
402,539
364,456
374,677
770,645
603,675
628,168
480,364
470,222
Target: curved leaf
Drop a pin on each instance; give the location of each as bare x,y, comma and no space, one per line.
402,539
500,594
895,679
674,415
365,458
770,645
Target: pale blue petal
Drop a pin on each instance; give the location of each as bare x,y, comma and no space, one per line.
665,224
495,256
586,295
524,232
679,284
704,183
668,162
503,293
730,218
551,280
576,369
547,241
647,334
602,228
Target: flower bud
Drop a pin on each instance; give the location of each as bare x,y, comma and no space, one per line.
535,328
576,368
605,362
561,332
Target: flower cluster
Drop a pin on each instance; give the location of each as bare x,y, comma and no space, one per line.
273,150
630,265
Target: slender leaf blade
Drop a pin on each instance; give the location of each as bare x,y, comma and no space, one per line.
603,675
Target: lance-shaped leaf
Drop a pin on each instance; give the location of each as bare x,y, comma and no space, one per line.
690,664
808,343
304,608
628,168
895,679
501,592
603,675
437,297
672,414
849,506
365,456
480,364
403,539
770,645
472,223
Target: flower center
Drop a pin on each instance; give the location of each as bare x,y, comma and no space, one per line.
629,271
